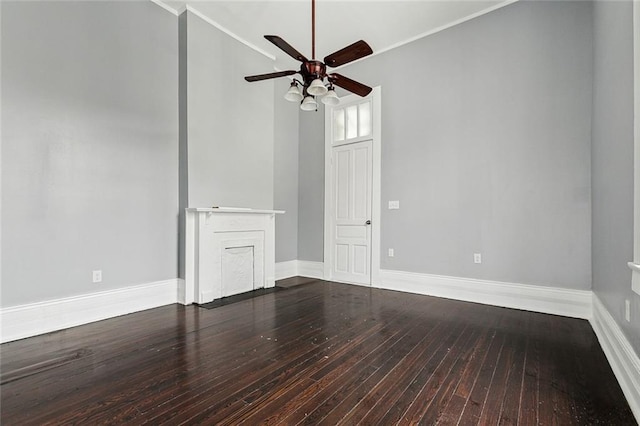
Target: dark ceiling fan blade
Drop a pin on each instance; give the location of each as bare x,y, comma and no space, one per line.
350,85
270,75
357,50
286,47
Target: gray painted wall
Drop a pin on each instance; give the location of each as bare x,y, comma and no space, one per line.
230,122
89,153
285,186
612,162
311,186
486,144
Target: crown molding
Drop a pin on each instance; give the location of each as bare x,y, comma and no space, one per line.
263,52
166,7
434,31
178,12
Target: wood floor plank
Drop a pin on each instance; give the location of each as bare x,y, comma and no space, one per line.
427,395
475,403
384,362
462,392
498,388
435,410
510,408
390,387
529,395
316,353
313,404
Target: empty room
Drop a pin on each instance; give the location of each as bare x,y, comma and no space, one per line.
320,212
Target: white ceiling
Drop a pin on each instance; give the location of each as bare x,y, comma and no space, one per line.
383,24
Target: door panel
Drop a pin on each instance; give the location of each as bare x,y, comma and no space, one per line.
342,258
342,168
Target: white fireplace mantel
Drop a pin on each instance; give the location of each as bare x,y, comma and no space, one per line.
227,251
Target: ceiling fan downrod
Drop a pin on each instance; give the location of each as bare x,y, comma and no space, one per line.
313,29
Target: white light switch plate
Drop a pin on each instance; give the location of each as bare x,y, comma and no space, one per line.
394,205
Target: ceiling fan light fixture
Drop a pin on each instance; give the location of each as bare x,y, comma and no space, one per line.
293,94
331,98
317,88
309,104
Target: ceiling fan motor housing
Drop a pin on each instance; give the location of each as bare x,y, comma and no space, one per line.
310,70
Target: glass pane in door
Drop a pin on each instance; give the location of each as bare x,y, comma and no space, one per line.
338,125
364,119
352,121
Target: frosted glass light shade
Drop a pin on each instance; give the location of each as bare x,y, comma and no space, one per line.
316,88
293,94
309,104
331,98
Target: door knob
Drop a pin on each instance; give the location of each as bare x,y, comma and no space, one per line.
368,222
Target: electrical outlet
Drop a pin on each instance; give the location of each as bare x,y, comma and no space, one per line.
394,205
627,310
97,276
477,258
391,253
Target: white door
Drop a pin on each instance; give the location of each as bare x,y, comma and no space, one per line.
352,213
349,185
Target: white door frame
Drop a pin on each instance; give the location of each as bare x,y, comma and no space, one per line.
376,136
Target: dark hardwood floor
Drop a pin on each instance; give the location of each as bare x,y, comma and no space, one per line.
318,353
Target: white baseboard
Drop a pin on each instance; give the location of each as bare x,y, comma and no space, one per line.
550,300
182,291
286,269
621,356
302,268
310,269
19,322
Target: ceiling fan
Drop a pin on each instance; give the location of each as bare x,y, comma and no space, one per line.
314,72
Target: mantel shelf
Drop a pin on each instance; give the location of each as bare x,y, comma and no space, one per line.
232,210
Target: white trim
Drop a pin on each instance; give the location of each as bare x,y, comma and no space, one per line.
19,322
635,281
230,210
286,269
182,291
310,269
621,356
328,172
229,33
549,300
302,268
166,7
462,20
210,21
434,31
376,215
376,202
